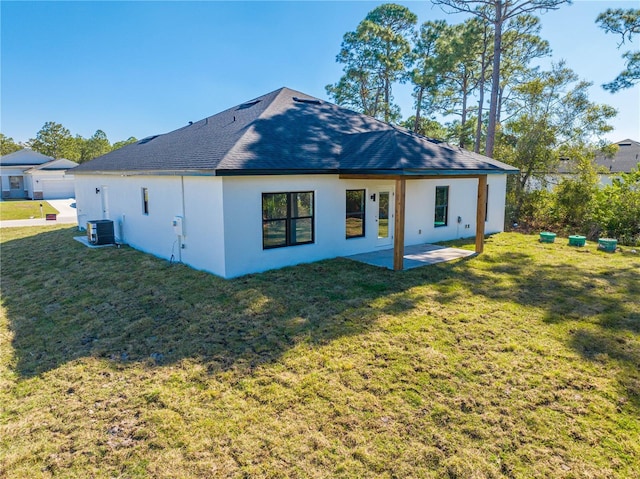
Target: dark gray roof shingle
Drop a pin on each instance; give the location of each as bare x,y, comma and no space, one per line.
286,131
626,158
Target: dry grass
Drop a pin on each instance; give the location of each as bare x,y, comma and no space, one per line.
522,362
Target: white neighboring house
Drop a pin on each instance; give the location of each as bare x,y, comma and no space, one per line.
28,174
285,179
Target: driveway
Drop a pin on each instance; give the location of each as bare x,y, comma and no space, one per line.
67,215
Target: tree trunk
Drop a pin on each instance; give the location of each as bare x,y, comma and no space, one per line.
463,118
495,81
418,104
483,74
500,95
387,87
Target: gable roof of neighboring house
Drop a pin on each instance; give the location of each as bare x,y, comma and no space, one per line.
54,165
24,157
288,132
626,158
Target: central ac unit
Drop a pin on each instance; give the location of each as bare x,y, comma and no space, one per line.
100,232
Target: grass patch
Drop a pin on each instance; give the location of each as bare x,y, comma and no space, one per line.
24,209
521,362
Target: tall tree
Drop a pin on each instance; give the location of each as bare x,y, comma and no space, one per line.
120,144
521,43
95,146
625,23
359,88
497,13
7,145
427,72
55,140
463,50
554,115
376,55
425,127
485,63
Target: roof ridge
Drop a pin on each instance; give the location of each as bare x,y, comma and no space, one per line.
251,125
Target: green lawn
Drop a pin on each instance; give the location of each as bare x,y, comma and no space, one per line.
522,362
24,209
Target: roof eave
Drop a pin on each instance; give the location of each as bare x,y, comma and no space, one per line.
189,172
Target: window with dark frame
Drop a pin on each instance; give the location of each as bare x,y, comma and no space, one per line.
442,206
145,201
355,213
287,219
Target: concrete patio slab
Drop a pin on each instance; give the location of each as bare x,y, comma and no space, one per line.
414,256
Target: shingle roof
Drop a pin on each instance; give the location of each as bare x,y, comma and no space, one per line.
54,165
24,157
288,132
626,158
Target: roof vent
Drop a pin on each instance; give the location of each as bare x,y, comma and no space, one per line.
147,139
249,104
313,101
624,144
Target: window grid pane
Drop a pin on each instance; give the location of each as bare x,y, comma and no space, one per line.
442,206
287,219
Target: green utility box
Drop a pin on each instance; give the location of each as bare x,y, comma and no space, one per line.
546,237
608,244
577,240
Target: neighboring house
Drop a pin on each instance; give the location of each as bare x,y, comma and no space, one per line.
29,174
285,179
625,159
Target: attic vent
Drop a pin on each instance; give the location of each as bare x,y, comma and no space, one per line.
147,140
249,104
624,144
307,100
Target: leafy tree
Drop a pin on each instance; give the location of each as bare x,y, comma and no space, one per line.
95,146
617,208
573,197
56,141
425,127
7,145
496,13
375,56
461,79
120,144
554,114
625,23
426,76
521,44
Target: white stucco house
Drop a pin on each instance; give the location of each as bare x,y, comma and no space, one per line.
28,174
287,178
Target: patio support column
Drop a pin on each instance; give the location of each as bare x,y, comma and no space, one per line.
481,212
398,236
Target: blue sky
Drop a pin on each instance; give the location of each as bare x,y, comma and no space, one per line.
142,68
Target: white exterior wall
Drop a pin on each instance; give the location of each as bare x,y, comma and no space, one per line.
201,210
54,184
243,221
222,217
6,173
243,217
